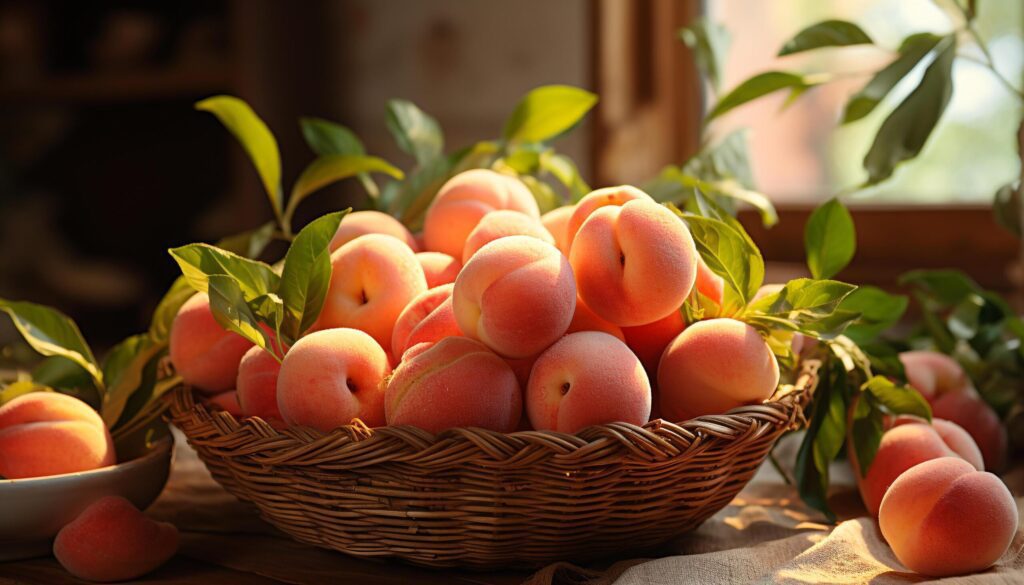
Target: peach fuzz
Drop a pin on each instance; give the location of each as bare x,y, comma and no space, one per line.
374,277
456,382
903,447
583,319
438,268
429,317
979,419
360,223
228,402
943,517
516,295
712,367
649,341
112,541
205,354
257,384
333,376
608,196
46,433
464,200
585,379
556,222
501,224
634,264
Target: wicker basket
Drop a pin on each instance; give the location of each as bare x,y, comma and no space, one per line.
481,499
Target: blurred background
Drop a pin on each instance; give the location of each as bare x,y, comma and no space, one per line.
104,164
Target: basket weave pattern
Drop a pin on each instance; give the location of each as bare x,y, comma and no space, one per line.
481,499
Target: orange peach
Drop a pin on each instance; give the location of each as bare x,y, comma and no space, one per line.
374,277
429,317
943,517
979,419
583,319
903,447
112,541
501,224
522,367
516,295
714,366
205,354
585,379
47,433
360,223
257,384
556,222
708,283
228,402
649,341
634,264
606,197
932,373
333,376
464,200
456,382
438,268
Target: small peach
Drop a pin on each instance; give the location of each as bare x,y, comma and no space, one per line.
438,268
257,384
583,319
556,222
608,196
360,223
205,354
976,417
228,402
429,317
932,373
501,224
649,341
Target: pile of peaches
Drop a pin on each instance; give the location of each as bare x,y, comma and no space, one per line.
498,318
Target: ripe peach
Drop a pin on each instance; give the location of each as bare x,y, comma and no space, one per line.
501,224
932,373
714,366
112,541
360,223
516,295
608,196
583,319
374,277
456,382
257,384
429,317
903,447
228,402
585,379
556,222
708,283
649,341
438,268
977,418
464,200
522,367
942,517
633,264
332,376
205,354
46,433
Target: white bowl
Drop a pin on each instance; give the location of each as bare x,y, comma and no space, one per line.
33,510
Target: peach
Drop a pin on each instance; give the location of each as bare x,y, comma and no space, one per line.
333,376
501,224
257,384
980,421
438,268
608,196
714,366
374,277
649,341
943,517
205,354
633,264
585,379
522,367
429,317
228,402
360,223
583,319
47,433
708,283
906,445
556,222
456,382
464,200
932,373
112,541
516,295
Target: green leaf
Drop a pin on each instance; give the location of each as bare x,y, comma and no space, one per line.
914,48
332,168
232,311
867,435
167,309
68,377
730,255
878,310
52,333
1006,207
547,112
709,42
806,305
564,169
249,243
325,137
21,388
904,133
307,274
829,239
897,399
828,33
199,262
813,479
415,132
254,136
757,86
545,196
947,287
832,433
122,370
414,195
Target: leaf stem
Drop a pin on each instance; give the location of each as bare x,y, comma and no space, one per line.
988,62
